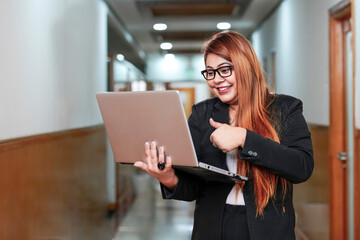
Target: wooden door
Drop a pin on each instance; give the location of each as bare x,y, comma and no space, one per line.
341,58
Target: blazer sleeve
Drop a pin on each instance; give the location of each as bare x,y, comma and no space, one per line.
292,158
189,187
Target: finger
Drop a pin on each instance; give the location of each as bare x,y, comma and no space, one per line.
147,150
153,156
215,124
141,165
212,138
161,154
161,162
168,162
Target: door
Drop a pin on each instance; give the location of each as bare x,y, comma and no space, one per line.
341,133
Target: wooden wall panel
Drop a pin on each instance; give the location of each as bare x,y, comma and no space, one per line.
316,189
55,187
311,198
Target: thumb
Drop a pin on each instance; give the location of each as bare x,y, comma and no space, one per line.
215,124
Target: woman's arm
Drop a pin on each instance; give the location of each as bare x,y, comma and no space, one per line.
293,157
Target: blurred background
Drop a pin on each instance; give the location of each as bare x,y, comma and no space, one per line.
58,178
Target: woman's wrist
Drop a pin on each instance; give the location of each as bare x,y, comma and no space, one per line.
171,182
242,136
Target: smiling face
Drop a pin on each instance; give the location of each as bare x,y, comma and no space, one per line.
223,87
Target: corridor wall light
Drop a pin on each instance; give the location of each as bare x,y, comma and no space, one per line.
160,26
120,57
223,25
166,46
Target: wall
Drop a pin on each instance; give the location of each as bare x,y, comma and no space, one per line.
125,71
181,71
179,68
311,197
53,186
52,62
298,34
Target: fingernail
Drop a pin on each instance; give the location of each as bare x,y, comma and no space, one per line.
152,143
146,144
161,149
167,158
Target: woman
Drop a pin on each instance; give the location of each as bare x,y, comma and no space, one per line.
244,129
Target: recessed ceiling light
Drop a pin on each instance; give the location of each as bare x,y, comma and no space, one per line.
160,26
120,57
169,56
166,46
223,25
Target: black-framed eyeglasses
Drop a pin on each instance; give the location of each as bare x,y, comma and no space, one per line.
225,71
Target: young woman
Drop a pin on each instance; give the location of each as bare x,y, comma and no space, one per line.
247,130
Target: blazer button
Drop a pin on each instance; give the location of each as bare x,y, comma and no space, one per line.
250,153
254,154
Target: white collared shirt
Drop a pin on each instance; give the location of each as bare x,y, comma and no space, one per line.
231,162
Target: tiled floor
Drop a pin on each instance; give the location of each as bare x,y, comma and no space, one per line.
152,218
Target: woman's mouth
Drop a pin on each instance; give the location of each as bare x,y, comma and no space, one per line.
222,90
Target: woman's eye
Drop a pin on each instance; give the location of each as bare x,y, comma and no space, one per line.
210,73
225,70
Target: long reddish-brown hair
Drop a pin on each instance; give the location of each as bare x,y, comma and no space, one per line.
252,112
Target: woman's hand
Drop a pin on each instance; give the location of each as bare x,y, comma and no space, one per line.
225,137
166,176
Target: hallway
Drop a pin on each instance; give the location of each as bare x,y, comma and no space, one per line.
152,218
59,179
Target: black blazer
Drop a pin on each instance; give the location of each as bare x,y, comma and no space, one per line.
291,159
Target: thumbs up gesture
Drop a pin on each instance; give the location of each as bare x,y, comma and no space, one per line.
226,137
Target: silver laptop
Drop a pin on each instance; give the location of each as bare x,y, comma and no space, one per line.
133,118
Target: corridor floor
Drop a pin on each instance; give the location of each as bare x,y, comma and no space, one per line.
152,218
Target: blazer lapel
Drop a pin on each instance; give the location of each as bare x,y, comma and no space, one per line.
220,112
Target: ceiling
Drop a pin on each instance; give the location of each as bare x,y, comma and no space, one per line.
130,28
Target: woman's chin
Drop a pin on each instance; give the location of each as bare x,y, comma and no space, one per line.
227,100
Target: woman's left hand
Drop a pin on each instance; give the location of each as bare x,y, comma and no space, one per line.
153,157
226,137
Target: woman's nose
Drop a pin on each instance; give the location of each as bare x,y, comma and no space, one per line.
218,79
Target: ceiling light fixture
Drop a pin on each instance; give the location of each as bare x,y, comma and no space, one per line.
169,56
166,46
160,26
223,25
120,57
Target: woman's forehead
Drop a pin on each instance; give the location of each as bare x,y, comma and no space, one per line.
213,60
